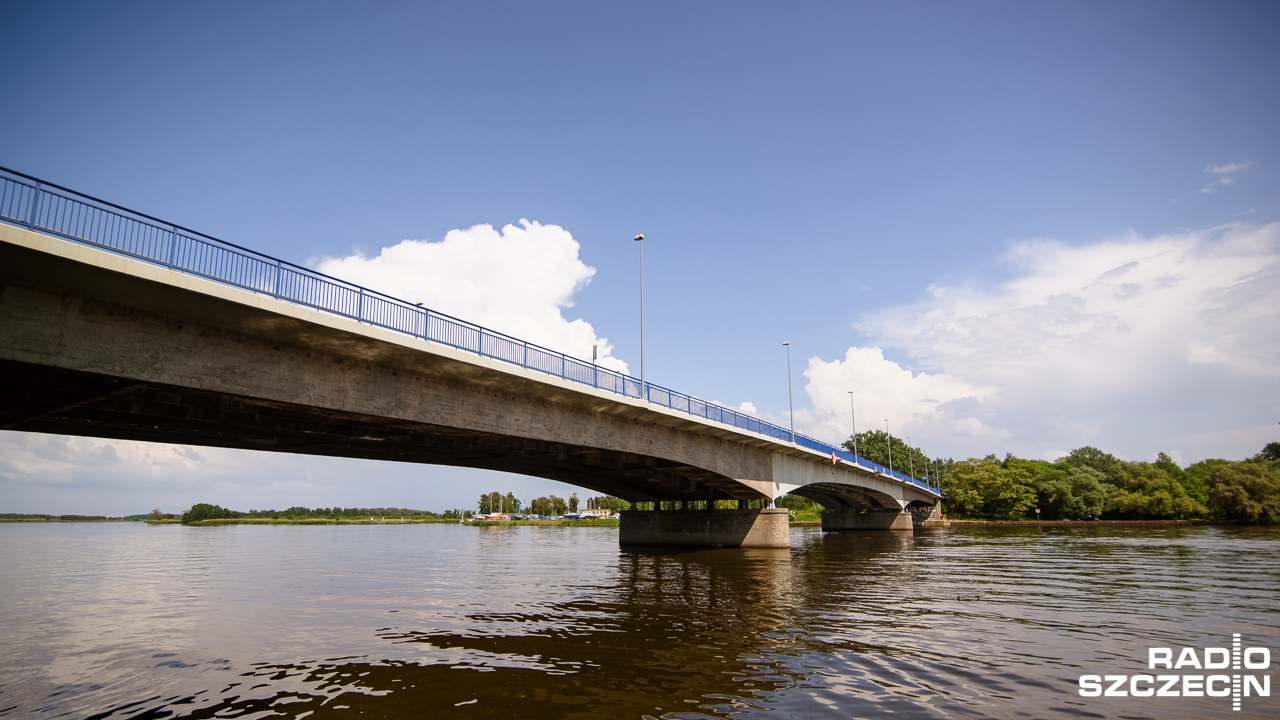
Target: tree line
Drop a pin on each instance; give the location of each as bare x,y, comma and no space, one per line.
205,511
1088,482
547,506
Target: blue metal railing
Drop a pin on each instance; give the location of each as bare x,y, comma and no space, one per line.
32,203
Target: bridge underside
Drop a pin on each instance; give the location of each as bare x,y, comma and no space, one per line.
51,400
838,496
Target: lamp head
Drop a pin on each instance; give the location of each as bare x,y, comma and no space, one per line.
786,343
638,237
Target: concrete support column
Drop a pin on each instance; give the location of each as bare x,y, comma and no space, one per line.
727,528
887,520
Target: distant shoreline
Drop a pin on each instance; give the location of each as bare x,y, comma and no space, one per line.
592,523
1079,523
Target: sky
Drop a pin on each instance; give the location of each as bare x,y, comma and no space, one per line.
1005,227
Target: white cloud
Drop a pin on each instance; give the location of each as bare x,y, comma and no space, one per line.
883,390
1228,168
517,281
1224,173
1130,341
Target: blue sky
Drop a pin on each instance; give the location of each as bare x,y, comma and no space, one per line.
1012,227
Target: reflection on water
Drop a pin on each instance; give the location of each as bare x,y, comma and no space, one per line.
129,621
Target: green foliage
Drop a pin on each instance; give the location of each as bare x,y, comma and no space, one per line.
496,502
1269,453
573,503
1067,492
204,511
801,509
302,513
875,444
1147,491
993,489
608,502
1091,457
1246,492
551,506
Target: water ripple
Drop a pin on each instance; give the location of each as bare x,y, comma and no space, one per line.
130,621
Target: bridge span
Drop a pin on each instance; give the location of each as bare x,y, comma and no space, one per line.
115,324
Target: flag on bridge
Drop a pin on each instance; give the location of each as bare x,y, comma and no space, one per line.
833,457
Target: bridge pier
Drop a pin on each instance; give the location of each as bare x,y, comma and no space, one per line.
885,520
768,528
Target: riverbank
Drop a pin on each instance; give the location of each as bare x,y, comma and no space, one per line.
1074,523
543,523
308,521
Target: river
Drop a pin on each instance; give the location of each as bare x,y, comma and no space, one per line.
124,620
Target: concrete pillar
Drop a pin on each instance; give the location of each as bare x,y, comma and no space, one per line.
886,520
705,528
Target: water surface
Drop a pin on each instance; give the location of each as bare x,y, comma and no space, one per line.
132,621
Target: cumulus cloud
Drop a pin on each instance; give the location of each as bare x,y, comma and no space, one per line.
516,281
884,390
1134,338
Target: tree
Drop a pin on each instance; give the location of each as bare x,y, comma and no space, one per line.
156,515
799,506
1092,457
608,502
204,511
573,503
1247,492
991,488
490,503
1145,490
1066,492
874,446
558,505
1269,453
1193,484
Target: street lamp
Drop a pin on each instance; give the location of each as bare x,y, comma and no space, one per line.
911,456
853,414
889,442
789,402
644,390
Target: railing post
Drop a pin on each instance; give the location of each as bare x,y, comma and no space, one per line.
173,246
360,306
526,355
279,272
34,207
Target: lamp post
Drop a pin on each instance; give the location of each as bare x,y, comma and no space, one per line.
911,456
889,441
854,415
789,402
644,390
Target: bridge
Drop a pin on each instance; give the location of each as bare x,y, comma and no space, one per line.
116,324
